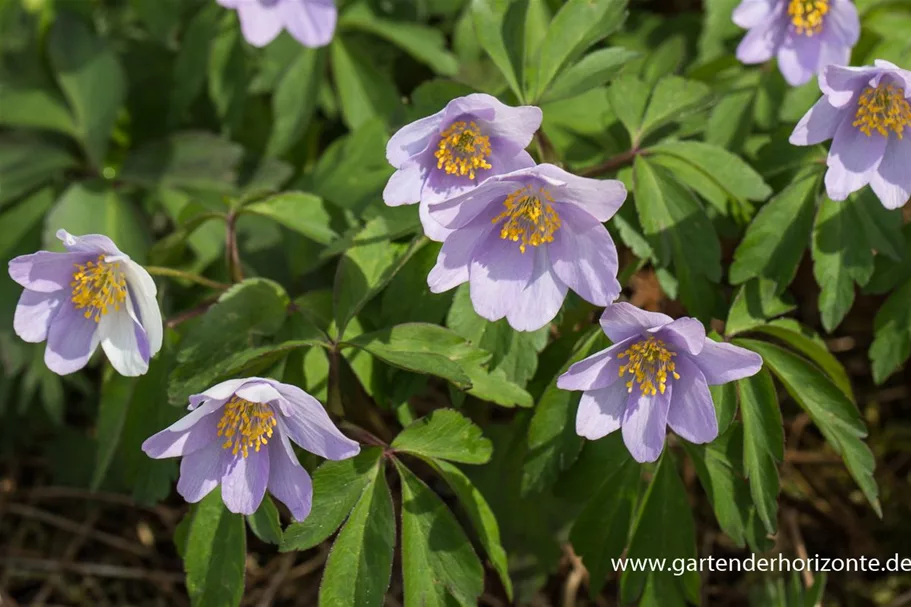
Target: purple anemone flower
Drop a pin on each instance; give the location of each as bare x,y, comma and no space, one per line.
92,294
239,434
522,239
310,22
657,374
866,111
807,35
449,153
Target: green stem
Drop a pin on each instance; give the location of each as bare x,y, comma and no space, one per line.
172,273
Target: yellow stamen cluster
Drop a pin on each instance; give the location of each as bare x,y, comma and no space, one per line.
882,109
530,220
807,15
246,425
650,362
97,286
463,150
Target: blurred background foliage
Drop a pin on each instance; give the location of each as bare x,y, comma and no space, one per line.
154,122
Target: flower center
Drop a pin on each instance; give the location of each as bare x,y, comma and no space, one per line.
463,150
246,425
807,15
530,220
97,286
881,109
649,365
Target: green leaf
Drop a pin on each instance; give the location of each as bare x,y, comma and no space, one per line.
360,564
835,416
434,350
515,352
664,507
365,91
776,239
264,522
438,562
841,257
215,554
116,393
91,77
763,443
576,26
337,486
678,227
809,344
724,397
719,466
755,302
255,307
34,107
190,65
425,44
495,24
592,71
229,73
27,163
599,534
891,345
366,268
481,516
628,97
673,99
552,440
882,226
304,213
295,99
20,220
737,178
408,298
445,434
93,207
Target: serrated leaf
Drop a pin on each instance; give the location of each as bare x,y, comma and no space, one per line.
190,73
778,235
22,218
365,90
229,71
891,345
264,522
577,25
841,257
445,434
599,534
628,97
590,72
737,177
438,563
724,397
256,306
91,77
482,517
295,99
763,443
337,486
503,44
755,302
215,554
673,99
664,506
359,566
809,344
28,162
304,213
552,440
831,411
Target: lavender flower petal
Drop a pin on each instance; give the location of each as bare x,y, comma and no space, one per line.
45,272
34,314
721,362
621,321
853,159
308,425
244,482
584,256
602,411
455,256
288,481
685,334
198,435
597,371
692,413
892,180
71,340
498,274
201,471
310,22
645,424
819,124
542,297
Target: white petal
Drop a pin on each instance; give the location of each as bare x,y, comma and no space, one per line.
143,292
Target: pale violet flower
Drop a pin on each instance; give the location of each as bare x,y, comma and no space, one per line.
657,374
805,35
310,22
92,294
239,434
866,112
522,239
449,153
